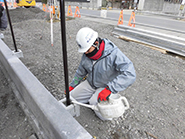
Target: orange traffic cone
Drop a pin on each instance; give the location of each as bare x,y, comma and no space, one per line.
132,17
52,9
44,7
120,21
69,11
11,4
58,12
77,12
15,4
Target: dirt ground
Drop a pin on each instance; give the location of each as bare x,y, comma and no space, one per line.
156,98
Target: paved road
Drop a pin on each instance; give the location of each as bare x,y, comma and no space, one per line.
154,20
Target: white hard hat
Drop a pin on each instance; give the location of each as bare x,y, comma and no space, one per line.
85,39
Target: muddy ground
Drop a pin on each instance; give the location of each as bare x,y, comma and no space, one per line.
156,98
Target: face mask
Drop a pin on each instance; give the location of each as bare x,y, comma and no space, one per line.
96,53
92,53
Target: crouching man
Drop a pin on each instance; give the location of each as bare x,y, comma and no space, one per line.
108,70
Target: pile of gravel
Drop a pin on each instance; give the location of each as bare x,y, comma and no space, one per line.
22,14
156,98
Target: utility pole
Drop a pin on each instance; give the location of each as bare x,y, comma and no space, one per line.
181,9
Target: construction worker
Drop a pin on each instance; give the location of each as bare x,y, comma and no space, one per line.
109,70
3,18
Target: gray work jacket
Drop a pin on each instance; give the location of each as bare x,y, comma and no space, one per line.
4,21
112,69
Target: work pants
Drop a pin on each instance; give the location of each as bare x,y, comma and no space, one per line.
84,93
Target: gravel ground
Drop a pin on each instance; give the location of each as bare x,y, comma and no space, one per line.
156,98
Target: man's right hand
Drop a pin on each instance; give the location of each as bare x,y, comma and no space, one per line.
70,89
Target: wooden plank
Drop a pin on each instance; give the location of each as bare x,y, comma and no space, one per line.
136,41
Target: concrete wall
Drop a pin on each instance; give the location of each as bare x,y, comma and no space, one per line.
93,4
141,4
171,8
153,5
159,6
49,117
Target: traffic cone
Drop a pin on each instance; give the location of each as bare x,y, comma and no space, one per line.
120,21
48,8
69,11
52,9
132,17
8,4
44,7
11,4
57,12
77,12
15,5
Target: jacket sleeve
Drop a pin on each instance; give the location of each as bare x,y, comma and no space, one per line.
1,10
79,75
126,73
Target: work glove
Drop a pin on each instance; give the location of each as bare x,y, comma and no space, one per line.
104,94
70,89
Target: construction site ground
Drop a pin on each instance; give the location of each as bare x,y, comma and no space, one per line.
156,98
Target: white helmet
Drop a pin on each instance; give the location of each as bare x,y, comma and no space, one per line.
85,39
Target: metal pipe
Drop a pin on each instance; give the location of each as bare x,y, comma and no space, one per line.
10,26
63,36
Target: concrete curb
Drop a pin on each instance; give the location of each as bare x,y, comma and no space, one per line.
163,41
49,117
161,14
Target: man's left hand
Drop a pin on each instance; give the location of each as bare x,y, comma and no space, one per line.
104,94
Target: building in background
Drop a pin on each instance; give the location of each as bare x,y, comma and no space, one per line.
163,6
